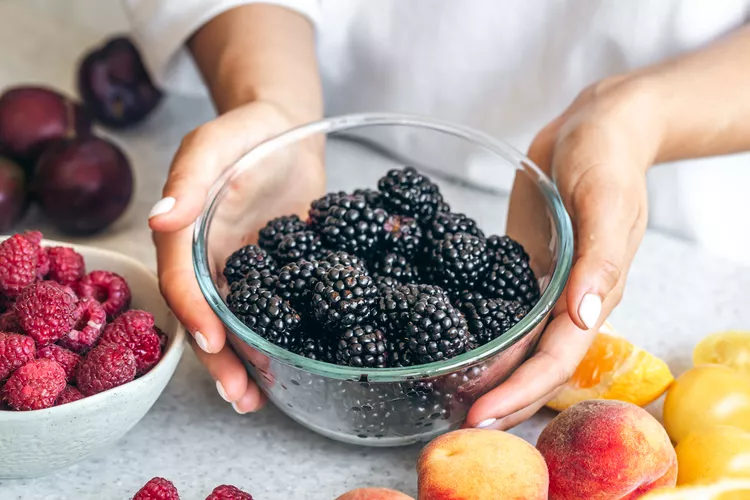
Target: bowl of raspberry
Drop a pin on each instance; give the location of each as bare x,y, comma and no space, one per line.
376,305
87,345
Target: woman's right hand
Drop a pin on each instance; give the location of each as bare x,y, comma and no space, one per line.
202,156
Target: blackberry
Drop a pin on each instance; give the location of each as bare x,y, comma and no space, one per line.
294,284
407,192
511,278
300,245
395,304
362,346
333,258
459,261
374,198
446,224
271,235
343,296
393,309
266,314
399,355
489,318
320,207
413,292
255,278
435,330
249,257
402,235
395,266
315,347
506,246
352,225
385,283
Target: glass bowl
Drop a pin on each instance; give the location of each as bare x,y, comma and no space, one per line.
388,406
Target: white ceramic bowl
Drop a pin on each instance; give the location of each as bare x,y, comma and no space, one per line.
35,443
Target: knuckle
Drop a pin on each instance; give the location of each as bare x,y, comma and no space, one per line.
560,371
610,273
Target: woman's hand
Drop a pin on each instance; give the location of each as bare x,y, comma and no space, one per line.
203,155
259,63
597,152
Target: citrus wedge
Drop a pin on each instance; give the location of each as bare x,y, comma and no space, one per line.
613,368
727,489
730,348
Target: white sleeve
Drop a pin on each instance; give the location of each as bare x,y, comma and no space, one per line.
160,28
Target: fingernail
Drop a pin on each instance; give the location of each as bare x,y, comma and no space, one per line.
234,406
590,309
162,206
222,392
486,423
202,341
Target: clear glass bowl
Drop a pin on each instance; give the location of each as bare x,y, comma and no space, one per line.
392,406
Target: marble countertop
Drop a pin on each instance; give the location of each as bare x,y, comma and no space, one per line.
676,294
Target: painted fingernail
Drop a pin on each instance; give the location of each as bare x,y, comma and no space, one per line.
202,341
222,392
590,309
162,206
486,423
234,406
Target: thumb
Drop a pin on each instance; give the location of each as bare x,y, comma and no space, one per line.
203,155
607,203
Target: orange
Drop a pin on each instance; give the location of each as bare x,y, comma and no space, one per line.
613,368
730,348
726,489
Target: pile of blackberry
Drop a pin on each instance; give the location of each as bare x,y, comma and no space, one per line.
380,278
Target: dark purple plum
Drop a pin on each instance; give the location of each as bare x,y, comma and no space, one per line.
83,185
13,201
115,85
32,117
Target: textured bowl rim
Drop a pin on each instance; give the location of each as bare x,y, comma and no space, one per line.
175,346
341,123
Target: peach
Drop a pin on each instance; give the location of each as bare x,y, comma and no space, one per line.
374,494
474,464
606,450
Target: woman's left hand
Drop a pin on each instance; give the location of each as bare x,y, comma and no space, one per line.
597,152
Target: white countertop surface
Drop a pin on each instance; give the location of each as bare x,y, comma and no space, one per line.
676,294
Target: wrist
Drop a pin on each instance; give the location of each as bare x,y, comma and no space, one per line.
634,103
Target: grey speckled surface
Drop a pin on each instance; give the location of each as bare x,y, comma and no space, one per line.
676,295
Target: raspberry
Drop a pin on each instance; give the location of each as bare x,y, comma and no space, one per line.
42,266
157,488
110,289
228,492
135,330
68,395
18,263
15,351
105,367
34,237
45,312
89,326
9,323
66,266
34,386
67,359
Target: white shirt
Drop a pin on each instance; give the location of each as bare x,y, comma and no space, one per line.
506,68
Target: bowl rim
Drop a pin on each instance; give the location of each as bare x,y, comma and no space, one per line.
341,123
171,357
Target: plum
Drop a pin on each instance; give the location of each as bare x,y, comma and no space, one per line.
115,85
83,184
12,194
32,117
